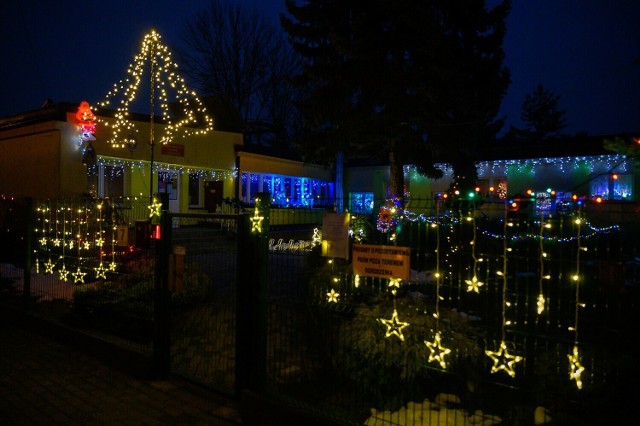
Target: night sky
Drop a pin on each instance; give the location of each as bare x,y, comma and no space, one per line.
586,51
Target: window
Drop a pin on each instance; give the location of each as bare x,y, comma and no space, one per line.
613,187
111,181
168,183
194,189
361,202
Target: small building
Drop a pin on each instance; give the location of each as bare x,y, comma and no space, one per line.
45,155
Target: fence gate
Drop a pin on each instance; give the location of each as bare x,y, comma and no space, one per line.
201,275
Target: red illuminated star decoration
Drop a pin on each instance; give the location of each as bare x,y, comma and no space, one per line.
575,368
394,327
502,360
438,352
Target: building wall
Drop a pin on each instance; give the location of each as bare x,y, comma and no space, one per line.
30,161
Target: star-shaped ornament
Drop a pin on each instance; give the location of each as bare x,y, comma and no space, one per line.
394,327
333,296
394,285
101,271
63,273
48,267
78,276
70,244
503,360
154,208
56,242
473,284
43,241
575,368
113,266
99,242
256,222
86,245
540,303
438,352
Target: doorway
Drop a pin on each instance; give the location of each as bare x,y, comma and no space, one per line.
213,195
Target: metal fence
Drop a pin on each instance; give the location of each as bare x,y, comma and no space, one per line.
483,331
539,284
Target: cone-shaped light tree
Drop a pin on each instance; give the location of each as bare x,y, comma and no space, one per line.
178,108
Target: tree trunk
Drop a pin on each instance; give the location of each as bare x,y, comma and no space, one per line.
396,177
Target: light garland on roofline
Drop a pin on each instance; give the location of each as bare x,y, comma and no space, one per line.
141,165
615,162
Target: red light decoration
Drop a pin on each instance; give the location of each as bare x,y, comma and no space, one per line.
615,176
86,120
598,200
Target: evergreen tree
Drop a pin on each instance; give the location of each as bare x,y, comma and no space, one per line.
541,115
404,80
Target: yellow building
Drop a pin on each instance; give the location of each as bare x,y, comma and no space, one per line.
43,155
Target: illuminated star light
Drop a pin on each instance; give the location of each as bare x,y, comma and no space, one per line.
540,303
154,209
87,245
113,266
99,242
394,284
575,368
78,276
394,327
356,281
438,352
101,271
256,222
48,267
502,360
56,242
43,241
333,296
63,273
473,284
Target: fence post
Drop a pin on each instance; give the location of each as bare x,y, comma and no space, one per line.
162,299
253,278
28,255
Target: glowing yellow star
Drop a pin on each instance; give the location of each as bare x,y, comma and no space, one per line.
394,284
63,273
502,360
256,222
99,242
473,284
71,244
113,266
394,327
438,352
78,276
48,267
56,242
356,281
101,271
540,303
154,208
86,245
575,368
43,241
333,296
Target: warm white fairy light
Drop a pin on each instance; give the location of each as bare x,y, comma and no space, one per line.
542,255
502,360
78,276
154,208
155,59
575,368
474,284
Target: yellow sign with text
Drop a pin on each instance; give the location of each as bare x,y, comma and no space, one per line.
381,261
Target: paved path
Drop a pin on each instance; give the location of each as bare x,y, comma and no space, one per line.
43,382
